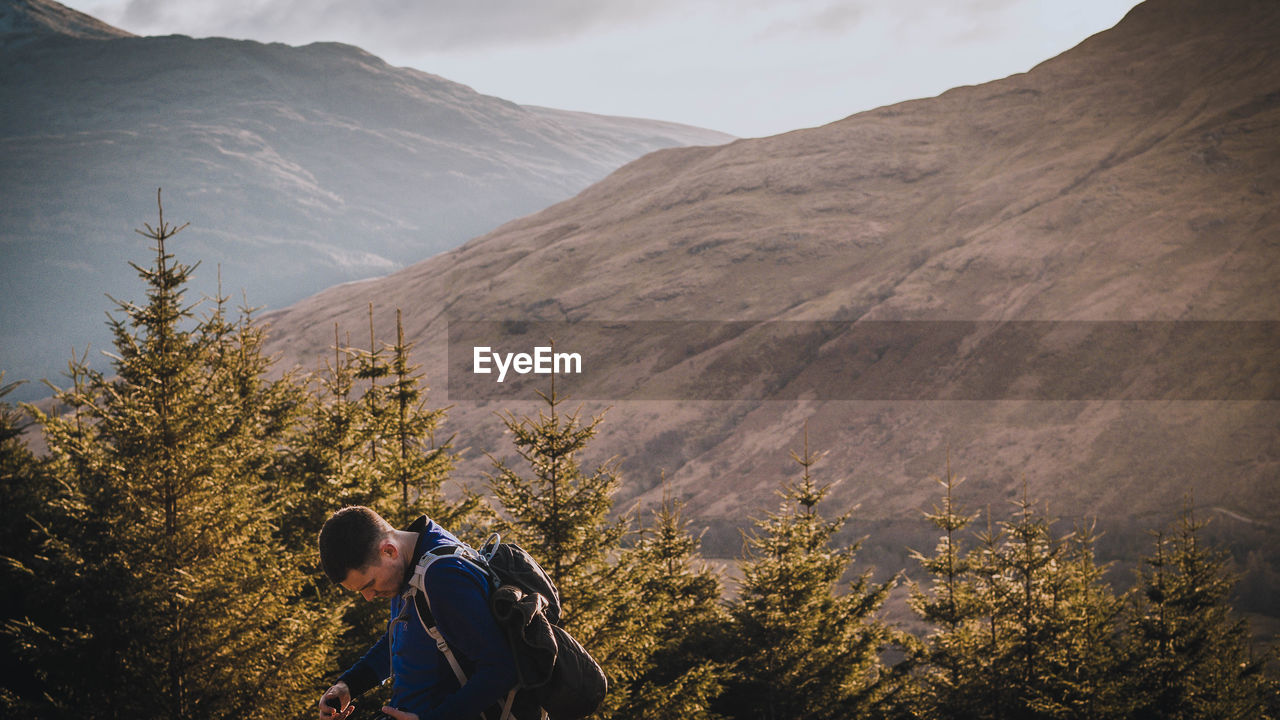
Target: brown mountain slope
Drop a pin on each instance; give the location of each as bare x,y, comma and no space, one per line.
1135,177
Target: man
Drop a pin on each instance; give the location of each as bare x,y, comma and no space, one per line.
362,552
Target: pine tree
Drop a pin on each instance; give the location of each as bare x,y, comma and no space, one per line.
1024,624
946,660
343,452
1086,661
372,437
414,462
805,651
26,489
1048,650
327,468
166,573
371,366
682,677
1030,559
1190,655
560,514
365,443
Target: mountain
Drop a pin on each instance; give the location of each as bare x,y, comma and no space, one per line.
25,20
1134,178
298,167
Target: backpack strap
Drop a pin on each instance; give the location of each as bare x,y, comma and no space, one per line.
506,706
418,584
461,552
443,646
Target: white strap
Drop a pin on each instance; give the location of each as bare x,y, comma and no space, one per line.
506,707
417,582
461,552
443,646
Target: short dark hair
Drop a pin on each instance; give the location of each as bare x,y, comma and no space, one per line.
349,541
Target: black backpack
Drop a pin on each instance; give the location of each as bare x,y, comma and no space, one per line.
567,682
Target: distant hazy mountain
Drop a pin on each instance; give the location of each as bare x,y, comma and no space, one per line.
1135,177
298,167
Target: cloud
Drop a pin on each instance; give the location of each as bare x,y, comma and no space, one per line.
143,13
408,25
816,18
409,28
825,18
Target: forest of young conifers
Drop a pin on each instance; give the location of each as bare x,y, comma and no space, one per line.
159,560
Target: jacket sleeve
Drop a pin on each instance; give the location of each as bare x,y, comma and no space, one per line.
460,603
370,670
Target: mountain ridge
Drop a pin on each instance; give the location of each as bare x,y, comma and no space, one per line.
22,20
1133,177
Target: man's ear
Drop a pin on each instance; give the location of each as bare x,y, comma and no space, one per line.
388,549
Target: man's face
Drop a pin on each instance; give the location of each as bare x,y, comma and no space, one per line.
380,579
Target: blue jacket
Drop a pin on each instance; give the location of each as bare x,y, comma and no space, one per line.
422,681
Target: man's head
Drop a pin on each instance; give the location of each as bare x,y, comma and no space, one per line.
358,551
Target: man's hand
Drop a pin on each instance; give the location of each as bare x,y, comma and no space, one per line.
335,703
398,714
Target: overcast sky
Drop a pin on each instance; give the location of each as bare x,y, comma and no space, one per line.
746,67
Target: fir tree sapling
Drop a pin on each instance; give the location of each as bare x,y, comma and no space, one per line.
1024,624
1190,656
560,513
165,571
684,674
805,650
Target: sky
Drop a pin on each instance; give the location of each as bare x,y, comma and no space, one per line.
746,67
